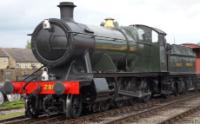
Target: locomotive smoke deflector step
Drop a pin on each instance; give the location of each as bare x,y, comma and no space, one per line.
67,11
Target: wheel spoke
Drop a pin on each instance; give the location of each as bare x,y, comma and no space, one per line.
73,106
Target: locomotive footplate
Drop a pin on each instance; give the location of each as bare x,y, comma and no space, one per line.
136,94
130,74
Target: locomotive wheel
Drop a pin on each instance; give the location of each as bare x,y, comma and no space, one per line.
105,106
131,102
73,106
146,89
146,98
96,107
119,104
30,109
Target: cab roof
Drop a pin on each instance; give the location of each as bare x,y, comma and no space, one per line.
155,29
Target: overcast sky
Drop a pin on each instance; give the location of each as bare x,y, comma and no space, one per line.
180,19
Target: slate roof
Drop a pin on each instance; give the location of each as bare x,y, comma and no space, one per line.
2,53
19,54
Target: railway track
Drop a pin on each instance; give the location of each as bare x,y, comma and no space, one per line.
23,120
163,113
13,119
126,114
193,117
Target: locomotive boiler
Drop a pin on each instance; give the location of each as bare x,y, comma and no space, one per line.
88,68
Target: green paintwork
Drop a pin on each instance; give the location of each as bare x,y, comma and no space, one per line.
181,59
104,62
137,48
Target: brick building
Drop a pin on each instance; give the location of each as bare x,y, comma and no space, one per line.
4,60
17,58
16,62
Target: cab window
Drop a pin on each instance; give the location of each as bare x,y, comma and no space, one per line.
140,34
144,34
154,36
147,35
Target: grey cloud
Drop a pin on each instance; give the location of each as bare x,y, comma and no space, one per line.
177,17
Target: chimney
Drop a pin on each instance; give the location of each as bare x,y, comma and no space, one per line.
67,11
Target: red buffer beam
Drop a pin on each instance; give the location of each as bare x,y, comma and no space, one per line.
42,87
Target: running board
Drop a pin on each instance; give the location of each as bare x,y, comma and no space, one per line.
138,94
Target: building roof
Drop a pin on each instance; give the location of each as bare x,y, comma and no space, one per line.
2,53
193,46
19,54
